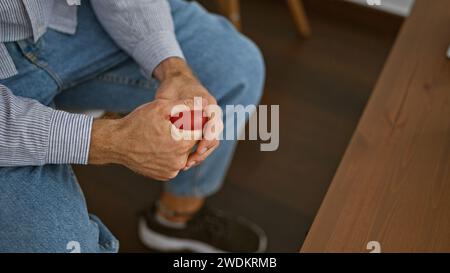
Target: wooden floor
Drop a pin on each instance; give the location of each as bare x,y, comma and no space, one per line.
321,84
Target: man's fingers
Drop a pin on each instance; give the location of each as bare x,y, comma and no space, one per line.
211,132
211,135
206,145
206,153
214,127
202,153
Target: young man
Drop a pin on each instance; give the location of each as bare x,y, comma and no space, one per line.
139,57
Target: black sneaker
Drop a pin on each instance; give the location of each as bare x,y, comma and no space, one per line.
209,231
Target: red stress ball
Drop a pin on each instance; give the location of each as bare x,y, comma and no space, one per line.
195,119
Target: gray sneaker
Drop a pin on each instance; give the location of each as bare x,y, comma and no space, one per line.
208,231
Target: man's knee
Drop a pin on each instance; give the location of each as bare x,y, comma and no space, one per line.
248,70
43,210
51,233
243,70
225,60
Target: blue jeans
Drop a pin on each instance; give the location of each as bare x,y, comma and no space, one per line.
42,209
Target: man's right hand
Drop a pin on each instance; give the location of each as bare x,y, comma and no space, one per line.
142,141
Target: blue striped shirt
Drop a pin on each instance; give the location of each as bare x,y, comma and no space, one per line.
32,134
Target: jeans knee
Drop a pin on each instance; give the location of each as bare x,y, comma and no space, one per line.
255,71
249,72
43,210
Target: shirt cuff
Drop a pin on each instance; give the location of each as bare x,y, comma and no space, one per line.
69,139
152,51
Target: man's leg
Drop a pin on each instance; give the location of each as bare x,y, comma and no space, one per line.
228,64
43,210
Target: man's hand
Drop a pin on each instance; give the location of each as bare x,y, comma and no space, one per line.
142,141
179,83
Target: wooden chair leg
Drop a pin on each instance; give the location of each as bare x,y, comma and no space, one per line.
299,15
231,9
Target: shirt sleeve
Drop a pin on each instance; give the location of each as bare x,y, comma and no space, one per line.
142,28
32,134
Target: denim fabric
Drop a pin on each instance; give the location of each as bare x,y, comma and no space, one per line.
43,208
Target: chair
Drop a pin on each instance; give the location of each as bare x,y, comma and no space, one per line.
231,9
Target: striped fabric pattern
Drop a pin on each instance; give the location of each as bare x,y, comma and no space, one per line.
21,19
32,134
14,21
69,138
142,28
14,25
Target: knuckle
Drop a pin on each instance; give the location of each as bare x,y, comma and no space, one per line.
172,175
163,179
187,146
158,177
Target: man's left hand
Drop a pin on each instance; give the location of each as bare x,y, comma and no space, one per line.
177,83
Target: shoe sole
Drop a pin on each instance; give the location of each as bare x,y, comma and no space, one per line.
164,243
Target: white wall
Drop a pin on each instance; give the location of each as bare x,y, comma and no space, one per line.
400,7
